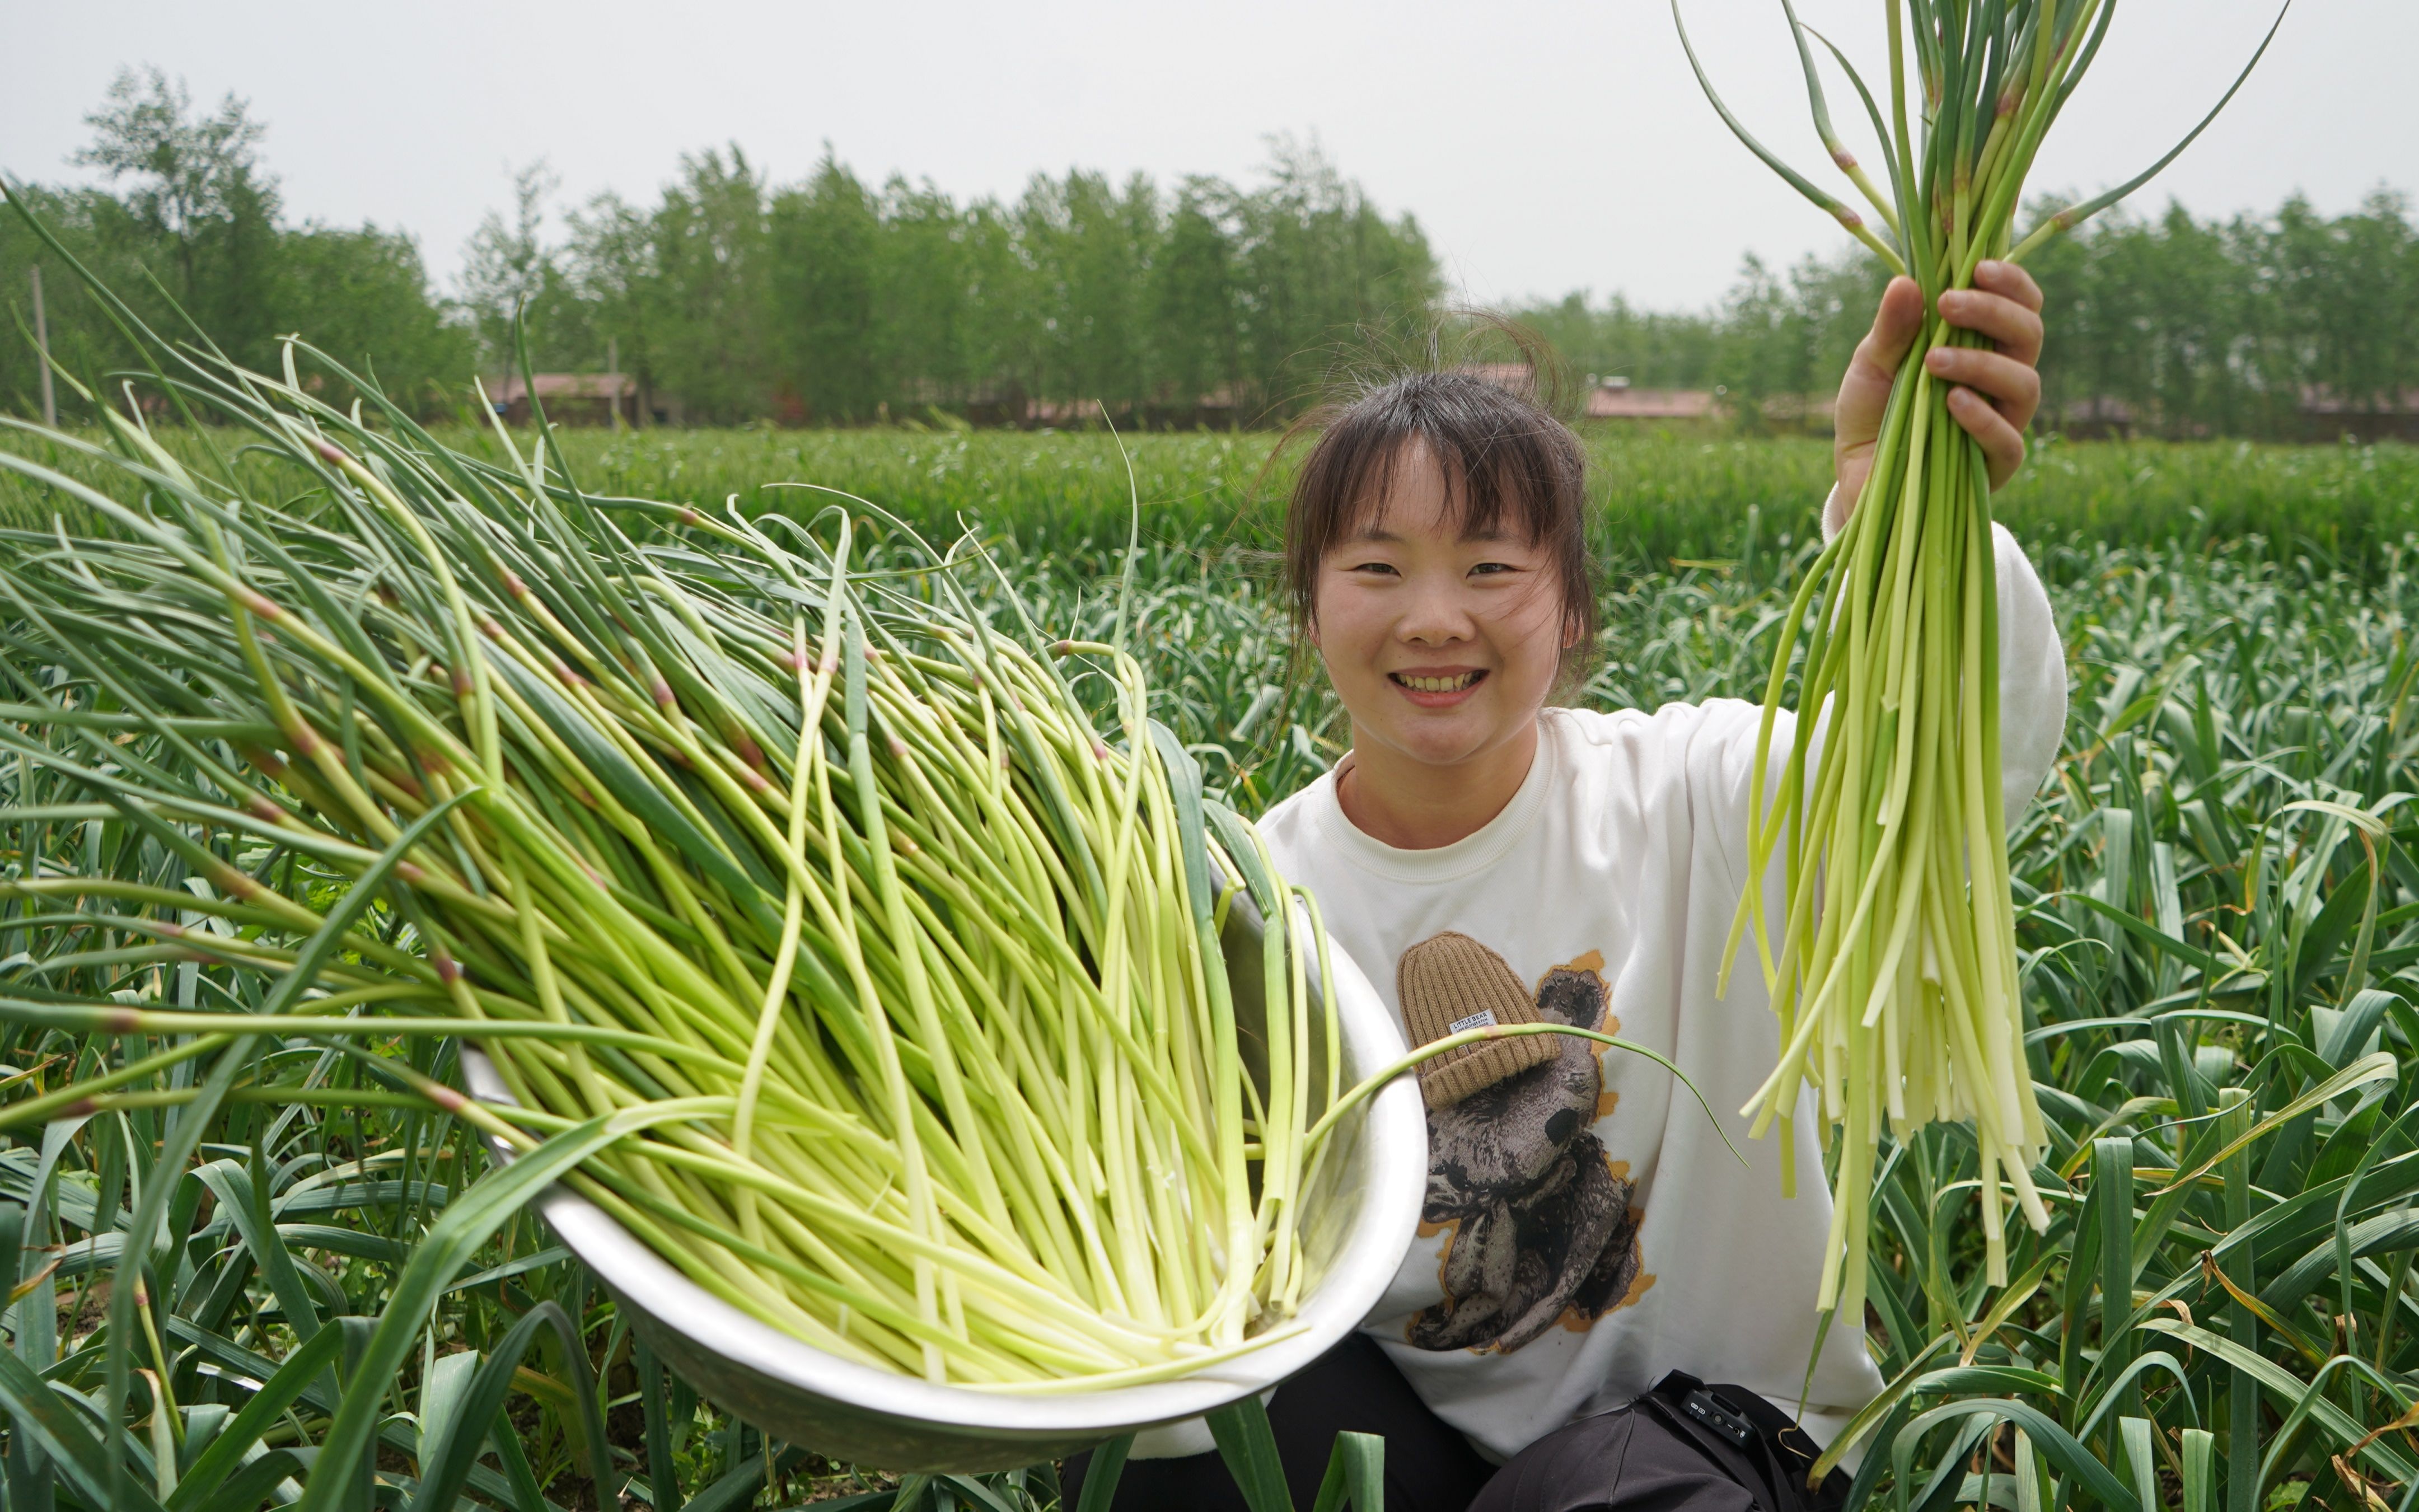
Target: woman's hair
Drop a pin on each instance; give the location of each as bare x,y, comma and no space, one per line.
1509,464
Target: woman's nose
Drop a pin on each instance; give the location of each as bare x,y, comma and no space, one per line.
1435,616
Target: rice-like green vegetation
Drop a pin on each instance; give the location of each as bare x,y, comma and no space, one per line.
1664,493
2217,913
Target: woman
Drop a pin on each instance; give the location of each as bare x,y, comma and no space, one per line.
1586,1232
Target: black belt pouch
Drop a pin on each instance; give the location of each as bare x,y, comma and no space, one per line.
1682,1447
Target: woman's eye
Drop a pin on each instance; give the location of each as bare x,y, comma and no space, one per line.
1386,567
1490,569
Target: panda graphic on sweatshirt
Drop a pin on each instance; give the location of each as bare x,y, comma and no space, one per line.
1540,1222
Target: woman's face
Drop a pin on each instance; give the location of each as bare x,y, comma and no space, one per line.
1443,645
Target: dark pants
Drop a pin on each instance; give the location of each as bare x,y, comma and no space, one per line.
1642,1458
1352,1388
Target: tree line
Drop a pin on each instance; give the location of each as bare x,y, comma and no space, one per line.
733,297
2288,326
190,220
835,300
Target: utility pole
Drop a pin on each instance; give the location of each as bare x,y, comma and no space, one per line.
614,377
42,345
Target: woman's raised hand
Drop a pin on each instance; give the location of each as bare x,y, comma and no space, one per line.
1997,389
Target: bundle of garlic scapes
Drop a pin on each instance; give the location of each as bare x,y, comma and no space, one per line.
1896,975
908,978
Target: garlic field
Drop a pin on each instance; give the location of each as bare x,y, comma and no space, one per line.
2217,899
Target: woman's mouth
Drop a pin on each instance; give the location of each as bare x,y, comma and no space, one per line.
1437,689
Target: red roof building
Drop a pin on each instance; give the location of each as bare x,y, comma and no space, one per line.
570,398
1609,402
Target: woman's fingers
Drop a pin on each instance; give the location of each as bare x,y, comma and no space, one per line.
1992,276
1865,388
1996,390
2004,304
2014,387
1896,324
1999,388
2003,444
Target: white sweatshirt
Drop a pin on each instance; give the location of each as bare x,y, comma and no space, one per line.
1590,1226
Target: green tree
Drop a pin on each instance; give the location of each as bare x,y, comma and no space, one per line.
711,345
2286,326
362,295
1323,276
191,223
1767,350
610,275
1615,340
825,240
2339,286
936,270
2197,328
1092,251
195,193
1194,299
510,274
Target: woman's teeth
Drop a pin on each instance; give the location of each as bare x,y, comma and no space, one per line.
1438,685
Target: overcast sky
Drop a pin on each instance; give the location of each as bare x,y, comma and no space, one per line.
1544,147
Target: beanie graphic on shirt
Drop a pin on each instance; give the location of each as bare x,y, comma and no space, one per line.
1542,1228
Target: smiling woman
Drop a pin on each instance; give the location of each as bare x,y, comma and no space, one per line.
1549,869
1441,640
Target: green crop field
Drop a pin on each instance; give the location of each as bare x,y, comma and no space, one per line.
1664,495
2217,896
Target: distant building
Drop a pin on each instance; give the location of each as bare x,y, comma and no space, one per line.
1613,398
1517,378
571,398
1619,401
1219,410
2100,419
2324,416
2327,417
